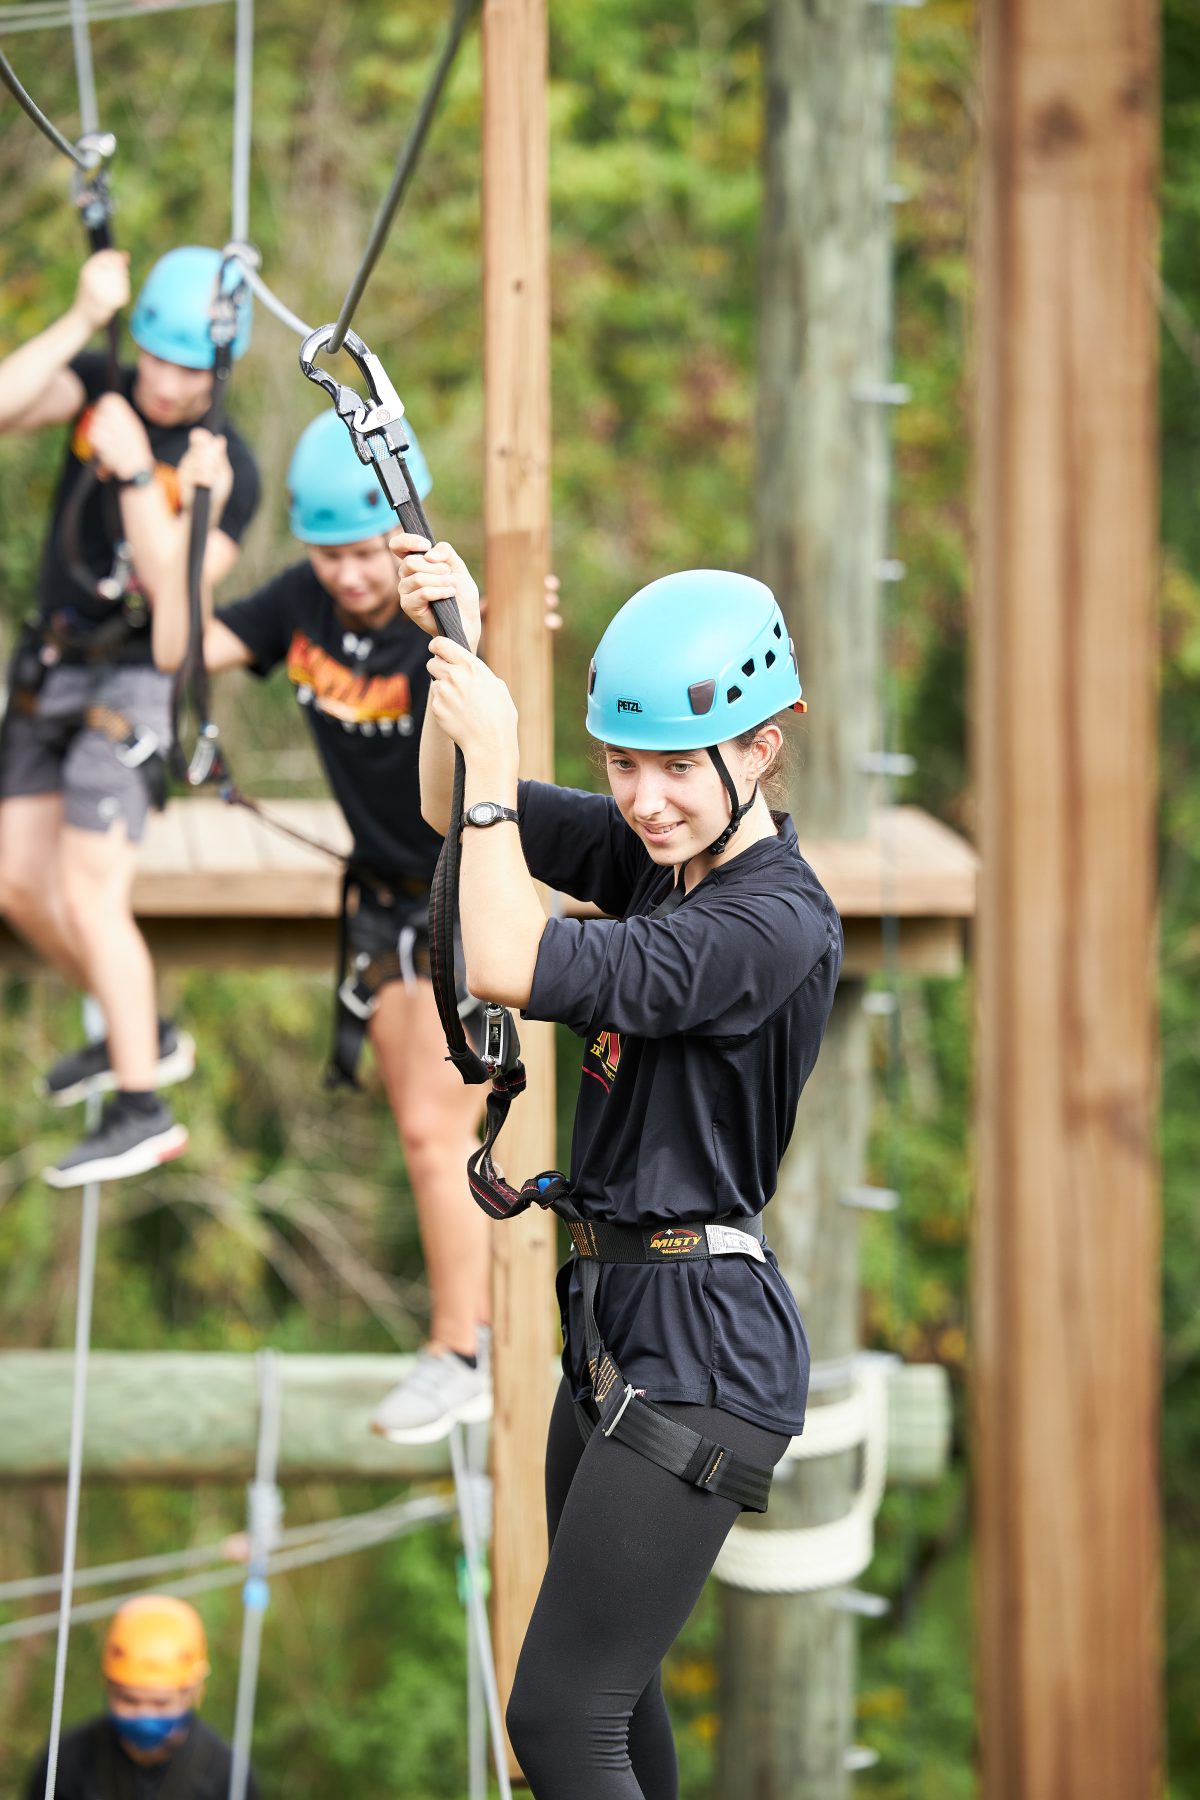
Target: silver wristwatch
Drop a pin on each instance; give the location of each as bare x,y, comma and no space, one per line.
489,812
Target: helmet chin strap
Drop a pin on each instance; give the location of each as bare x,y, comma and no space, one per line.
738,808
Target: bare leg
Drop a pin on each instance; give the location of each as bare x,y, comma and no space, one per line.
31,890
97,878
438,1121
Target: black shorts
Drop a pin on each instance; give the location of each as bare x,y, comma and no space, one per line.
384,919
46,748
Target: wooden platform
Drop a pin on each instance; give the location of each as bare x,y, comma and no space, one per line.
219,889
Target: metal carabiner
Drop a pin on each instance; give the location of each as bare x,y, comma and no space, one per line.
380,416
90,191
223,307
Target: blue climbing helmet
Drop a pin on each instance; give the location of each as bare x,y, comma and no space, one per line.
692,660
170,319
332,497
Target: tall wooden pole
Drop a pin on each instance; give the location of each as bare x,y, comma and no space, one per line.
788,1661
517,521
1066,1264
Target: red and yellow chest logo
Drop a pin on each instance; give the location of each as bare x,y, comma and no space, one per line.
603,1059
364,702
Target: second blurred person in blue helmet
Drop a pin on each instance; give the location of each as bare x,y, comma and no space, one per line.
357,668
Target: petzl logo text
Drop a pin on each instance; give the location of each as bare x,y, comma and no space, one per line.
629,706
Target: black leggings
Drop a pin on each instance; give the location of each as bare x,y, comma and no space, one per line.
630,1550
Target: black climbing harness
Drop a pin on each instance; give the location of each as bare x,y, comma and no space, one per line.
622,1411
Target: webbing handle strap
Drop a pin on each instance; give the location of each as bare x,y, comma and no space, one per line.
625,1414
377,432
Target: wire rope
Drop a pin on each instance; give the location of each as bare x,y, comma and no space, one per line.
430,1509
85,74
30,1587
402,175
53,15
85,1288
28,105
243,119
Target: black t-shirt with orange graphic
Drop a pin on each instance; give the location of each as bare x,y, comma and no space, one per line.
59,595
364,695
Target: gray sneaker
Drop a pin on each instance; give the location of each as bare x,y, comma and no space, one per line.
123,1143
439,1392
88,1071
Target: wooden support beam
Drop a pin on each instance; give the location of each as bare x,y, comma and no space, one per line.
183,1416
1065,1360
516,366
788,1661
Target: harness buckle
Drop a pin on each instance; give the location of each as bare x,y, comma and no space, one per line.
137,748
205,756
376,425
630,1394
500,1047
349,997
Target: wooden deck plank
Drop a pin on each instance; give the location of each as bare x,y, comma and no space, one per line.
217,886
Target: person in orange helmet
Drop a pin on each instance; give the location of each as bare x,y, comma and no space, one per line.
149,1743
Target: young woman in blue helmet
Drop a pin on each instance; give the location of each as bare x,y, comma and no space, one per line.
358,669
88,721
701,1000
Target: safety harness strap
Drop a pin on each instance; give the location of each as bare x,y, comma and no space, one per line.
622,1411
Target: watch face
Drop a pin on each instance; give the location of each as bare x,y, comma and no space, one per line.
483,813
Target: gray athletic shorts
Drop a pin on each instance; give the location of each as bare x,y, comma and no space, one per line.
47,752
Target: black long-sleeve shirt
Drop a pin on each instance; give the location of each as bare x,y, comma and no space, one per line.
93,1766
700,1029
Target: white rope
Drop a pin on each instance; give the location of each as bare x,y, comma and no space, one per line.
391,1522
808,1558
85,76
273,304
466,1489
53,14
222,1550
89,1225
265,1510
243,119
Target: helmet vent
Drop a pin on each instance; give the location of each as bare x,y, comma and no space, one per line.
701,695
592,676
778,631
732,694
748,667
769,659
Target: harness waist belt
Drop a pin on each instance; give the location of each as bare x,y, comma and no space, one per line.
621,1410
678,1242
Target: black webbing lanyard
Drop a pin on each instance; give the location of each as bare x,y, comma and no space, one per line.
94,201
190,688
377,432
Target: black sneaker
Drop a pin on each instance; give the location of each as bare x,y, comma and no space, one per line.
89,1071
125,1142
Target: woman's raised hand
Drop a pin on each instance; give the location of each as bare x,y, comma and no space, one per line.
437,572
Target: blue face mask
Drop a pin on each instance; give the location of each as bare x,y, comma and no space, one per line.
150,1732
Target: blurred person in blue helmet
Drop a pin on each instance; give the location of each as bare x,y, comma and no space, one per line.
358,669
700,998
149,1741
88,725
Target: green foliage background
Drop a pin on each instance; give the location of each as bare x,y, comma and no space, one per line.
292,1225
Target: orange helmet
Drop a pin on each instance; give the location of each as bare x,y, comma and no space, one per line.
155,1642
